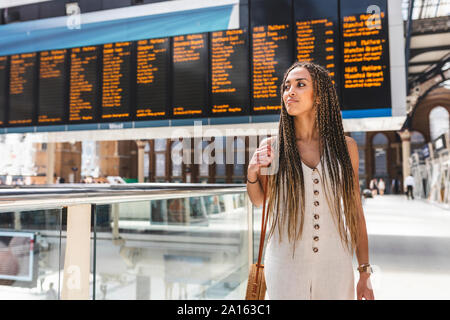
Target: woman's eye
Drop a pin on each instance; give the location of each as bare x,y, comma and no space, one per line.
286,88
300,84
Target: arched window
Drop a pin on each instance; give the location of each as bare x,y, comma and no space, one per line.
439,122
417,141
380,145
360,138
176,154
160,160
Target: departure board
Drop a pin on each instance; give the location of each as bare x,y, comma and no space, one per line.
3,87
83,93
190,75
116,80
229,72
212,74
272,55
22,82
365,56
52,91
152,78
316,25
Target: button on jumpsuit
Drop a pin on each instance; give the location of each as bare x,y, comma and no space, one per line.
321,267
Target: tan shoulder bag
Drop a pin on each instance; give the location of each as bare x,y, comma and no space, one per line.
256,285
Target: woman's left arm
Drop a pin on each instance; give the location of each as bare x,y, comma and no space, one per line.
364,287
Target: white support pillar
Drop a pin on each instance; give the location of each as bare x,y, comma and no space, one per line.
50,162
141,158
17,222
77,258
406,151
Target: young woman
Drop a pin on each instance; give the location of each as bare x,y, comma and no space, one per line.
316,220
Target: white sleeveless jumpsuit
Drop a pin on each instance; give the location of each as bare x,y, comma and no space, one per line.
321,267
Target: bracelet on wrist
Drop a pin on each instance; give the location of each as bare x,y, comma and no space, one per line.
252,182
365,268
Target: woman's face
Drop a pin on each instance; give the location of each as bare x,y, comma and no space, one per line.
298,94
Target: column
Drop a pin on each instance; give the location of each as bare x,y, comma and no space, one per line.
50,162
141,152
406,151
77,258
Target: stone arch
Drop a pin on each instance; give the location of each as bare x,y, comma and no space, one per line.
439,120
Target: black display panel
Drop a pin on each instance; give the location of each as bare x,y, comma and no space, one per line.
22,88
190,75
221,73
3,87
229,72
365,55
116,81
316,33
84,84
52,89
272,52
265,12
152,78
272,56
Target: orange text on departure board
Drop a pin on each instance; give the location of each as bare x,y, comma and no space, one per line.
112,93
19,65
185,48
147,55
82,60
50,62
363,52
182,111
18,78
315,43
223,46
265,43
2,68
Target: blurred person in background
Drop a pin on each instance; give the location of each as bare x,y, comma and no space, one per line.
395,187
381,186
409,187
373,186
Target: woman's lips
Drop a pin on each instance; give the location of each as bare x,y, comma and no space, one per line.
291,100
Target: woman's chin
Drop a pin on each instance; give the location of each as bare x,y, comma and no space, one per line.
292,111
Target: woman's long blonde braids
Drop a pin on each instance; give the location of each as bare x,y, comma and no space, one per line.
289,205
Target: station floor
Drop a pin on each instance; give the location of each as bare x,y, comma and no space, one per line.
409,244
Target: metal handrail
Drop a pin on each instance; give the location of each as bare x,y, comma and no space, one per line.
45,196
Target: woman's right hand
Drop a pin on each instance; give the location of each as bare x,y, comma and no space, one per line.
262,157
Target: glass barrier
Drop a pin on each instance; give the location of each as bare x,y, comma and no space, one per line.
180,248
31,254
190,246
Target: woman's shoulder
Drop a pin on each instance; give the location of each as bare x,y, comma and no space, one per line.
350,141
352,146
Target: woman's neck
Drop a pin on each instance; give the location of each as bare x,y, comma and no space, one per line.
305,129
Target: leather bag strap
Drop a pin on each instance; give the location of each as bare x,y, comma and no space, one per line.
263,227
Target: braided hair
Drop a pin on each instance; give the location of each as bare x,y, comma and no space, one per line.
333,151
